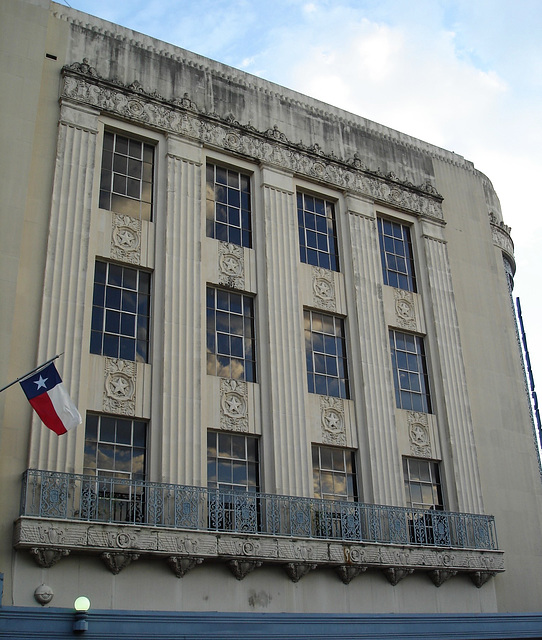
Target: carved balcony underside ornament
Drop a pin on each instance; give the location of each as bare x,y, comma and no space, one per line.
296,570
479,578
116,562
48,556
181,565
241,568
439,576
347,572
396,574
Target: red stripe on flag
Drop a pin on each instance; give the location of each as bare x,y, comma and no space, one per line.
44,408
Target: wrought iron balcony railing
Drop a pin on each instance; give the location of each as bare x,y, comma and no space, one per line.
65,496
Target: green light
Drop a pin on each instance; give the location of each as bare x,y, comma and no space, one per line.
82,603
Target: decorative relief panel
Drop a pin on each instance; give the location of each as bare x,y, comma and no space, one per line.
233,405
119,387
333,424
418,434
231,266
126,239
323,289
83,84
405,310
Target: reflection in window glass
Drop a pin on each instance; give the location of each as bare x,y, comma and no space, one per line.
334,473
325,347
232,462
127,176
317,232
422,484
410,372
115,447
231,351
228,206
120,312
396,255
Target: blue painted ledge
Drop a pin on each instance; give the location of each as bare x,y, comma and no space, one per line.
31,622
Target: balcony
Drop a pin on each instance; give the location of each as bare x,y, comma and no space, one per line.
120,520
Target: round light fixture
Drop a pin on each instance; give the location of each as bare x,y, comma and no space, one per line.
82,603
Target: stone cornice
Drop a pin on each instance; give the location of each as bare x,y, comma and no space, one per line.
83,85
49,540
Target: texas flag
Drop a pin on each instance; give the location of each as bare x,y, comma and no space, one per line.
50,400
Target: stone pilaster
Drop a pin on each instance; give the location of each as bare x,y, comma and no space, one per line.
65,279
377,436
453,379
285,422
181,360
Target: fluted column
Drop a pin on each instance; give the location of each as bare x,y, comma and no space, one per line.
283,371
65,279
182,349
453,379
379,447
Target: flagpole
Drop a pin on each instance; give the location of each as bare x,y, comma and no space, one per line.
31,372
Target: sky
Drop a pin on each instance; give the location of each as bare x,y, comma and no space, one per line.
465,75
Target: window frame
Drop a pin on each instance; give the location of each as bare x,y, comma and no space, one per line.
113,305
223,210
317,226
240,338
434,480
403,361
118,175
319,358
320,454
401,236
251,460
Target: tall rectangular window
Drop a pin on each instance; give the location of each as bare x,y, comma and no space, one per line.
126,183
325,346
334,473
410,375
317,232
232,462
115,452
228,206
120,312
231,343
422,484
115,447
396,255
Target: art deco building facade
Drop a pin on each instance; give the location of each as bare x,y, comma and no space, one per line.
289,332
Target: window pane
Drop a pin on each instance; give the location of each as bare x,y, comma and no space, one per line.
318,249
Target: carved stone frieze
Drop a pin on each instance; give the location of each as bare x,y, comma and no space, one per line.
183,117
241,568
126,239
119,386
500,233
181,565
296,570
405,310
323,289
48,556
233,405
231,265
116,562
332,421
118,545
418,434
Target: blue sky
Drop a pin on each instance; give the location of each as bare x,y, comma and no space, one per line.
462,74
